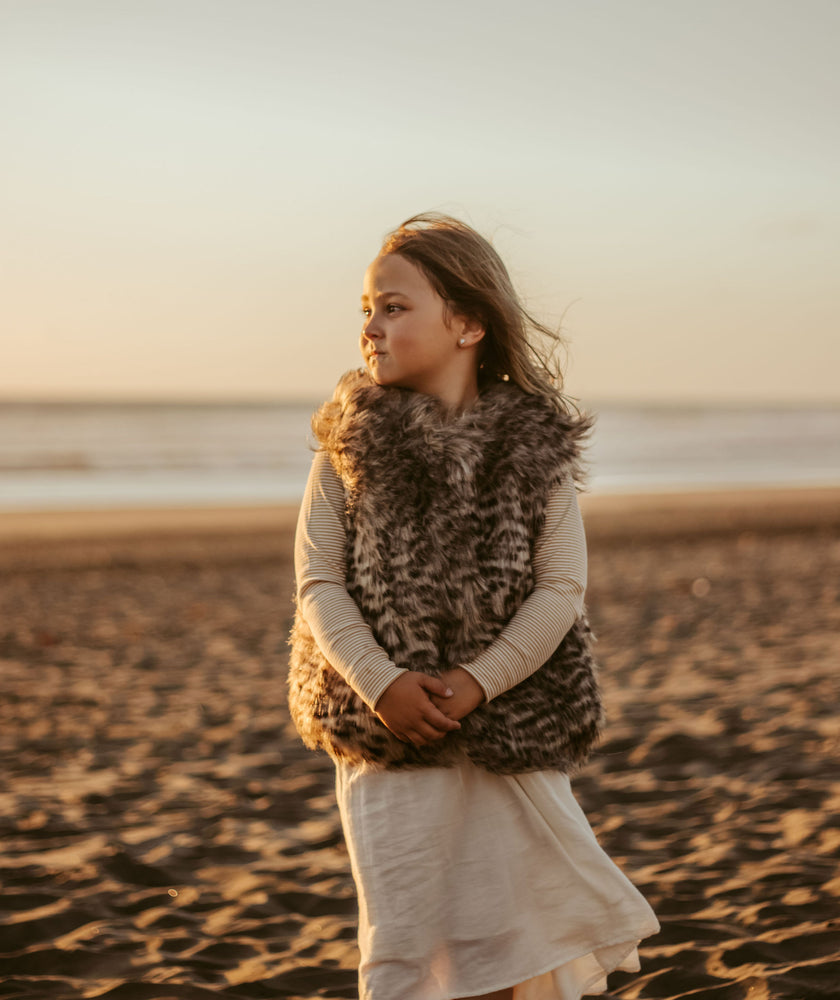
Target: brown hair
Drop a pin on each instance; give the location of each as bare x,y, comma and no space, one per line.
471,278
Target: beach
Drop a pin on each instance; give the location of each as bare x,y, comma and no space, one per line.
164,834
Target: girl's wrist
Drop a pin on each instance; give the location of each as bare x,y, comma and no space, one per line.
468,693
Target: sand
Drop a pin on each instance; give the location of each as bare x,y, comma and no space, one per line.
163,834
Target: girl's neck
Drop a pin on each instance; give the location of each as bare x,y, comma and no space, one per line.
457,394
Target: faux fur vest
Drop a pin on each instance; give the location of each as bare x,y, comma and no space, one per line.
442,514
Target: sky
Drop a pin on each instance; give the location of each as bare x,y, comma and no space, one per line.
190,190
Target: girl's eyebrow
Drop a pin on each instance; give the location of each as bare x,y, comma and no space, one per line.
382,295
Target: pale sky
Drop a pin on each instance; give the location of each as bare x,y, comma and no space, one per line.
192,189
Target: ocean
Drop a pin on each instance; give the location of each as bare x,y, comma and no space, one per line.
83,455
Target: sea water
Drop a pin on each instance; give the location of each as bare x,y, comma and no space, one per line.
81,455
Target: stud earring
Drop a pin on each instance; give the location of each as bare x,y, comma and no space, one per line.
462,341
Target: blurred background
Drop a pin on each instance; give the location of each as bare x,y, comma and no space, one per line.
192,190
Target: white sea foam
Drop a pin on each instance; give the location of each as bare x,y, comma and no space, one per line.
89,455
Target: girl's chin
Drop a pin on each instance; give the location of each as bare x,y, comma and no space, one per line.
378,376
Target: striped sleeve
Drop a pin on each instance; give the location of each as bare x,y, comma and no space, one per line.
551,608
339,629
347,641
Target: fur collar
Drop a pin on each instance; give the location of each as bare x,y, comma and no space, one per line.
363,415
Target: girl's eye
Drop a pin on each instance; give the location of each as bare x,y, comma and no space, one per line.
390,308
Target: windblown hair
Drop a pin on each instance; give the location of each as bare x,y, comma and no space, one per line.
471,278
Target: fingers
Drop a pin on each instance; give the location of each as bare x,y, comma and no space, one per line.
438,720
421,732
423,736
434,685
435,726
432,727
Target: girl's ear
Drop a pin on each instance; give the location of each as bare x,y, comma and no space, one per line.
472,332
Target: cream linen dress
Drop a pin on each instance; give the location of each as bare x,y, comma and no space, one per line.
470,882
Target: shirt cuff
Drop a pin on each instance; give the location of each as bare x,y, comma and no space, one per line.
491,669
375,683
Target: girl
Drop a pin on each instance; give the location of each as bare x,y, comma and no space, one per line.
440,651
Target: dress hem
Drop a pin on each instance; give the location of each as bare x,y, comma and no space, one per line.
554,964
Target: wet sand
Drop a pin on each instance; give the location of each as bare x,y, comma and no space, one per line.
164,835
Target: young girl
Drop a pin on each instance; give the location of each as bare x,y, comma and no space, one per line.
440,651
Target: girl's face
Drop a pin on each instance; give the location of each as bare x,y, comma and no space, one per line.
406,339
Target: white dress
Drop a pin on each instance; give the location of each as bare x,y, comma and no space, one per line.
469,882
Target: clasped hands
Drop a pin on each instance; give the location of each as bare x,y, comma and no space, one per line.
421,709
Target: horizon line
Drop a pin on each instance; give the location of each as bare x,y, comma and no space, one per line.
593,403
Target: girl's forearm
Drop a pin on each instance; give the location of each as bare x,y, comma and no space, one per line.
347,642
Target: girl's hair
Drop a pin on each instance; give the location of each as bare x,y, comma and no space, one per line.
469,275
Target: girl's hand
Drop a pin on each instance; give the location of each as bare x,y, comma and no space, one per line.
407,710
467,693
